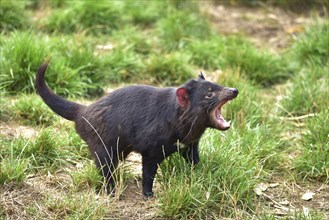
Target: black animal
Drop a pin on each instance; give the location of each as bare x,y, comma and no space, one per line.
144,119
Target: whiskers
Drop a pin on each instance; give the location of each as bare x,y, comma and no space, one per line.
190,130
189,119
188,122
212,104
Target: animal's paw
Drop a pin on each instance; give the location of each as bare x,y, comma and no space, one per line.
195,161
148,195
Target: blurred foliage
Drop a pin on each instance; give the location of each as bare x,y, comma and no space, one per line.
294,5
13,16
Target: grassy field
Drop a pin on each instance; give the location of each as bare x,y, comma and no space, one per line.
276,150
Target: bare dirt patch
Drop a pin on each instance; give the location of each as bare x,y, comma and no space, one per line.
272,28
12,130
286,198
268,27
28,200
16,198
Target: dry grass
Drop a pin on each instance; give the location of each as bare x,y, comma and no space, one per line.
54,195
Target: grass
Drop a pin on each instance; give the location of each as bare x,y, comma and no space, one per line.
177,29
21,57
87,177
74,70
75,207
196,193
293,5
314,160
13,16
31,110
13,169
145,14
122,65
136,39
279,120
92,18
41,152
235,52
250,108
308,93
45,151
168,69
311,46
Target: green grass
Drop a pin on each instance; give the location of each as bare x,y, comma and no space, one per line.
279,120
145,14
13,169
293,5
168,69
308,93
87,177
177,29
221,183
312,46
13,16
74,70
123,64
136,39
5,109
21,56
41,152
72,206
250,108
45,151
31,110
314,160
261,67
306,100
94,18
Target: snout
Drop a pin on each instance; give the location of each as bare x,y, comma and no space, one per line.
234,91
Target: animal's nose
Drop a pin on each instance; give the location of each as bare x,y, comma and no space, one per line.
234,90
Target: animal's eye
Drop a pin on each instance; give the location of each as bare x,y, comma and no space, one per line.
209,95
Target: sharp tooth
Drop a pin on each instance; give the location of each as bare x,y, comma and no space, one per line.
229,122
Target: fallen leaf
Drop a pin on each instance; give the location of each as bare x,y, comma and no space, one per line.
307,196
258,191
260,188
263,186
273,185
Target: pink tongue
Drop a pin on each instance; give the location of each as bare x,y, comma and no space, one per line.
223,123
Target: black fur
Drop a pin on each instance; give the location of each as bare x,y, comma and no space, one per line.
144,119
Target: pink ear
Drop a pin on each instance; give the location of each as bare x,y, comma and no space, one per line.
182,97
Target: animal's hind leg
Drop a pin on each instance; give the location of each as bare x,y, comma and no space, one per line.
107,161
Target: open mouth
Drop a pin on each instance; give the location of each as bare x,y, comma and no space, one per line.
218,119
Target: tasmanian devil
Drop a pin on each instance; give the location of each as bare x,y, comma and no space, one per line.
148,120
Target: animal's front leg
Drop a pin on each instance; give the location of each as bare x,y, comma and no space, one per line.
191,153
150,166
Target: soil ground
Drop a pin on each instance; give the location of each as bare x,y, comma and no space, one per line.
272,28
269,27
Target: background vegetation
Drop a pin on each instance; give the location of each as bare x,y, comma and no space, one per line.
282,109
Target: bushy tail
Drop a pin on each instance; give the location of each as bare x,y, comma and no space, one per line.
64,108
